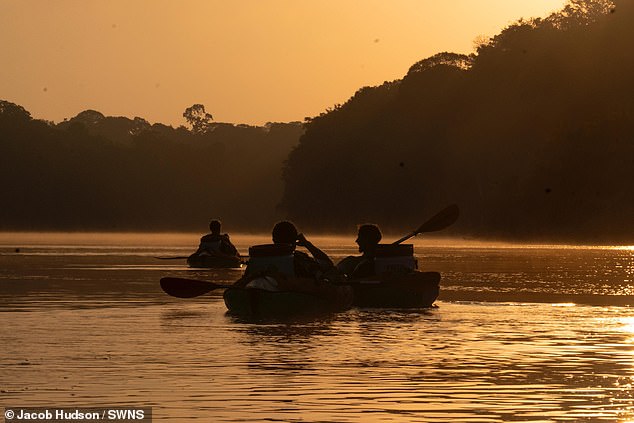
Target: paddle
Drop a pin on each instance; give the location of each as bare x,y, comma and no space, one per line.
172,258
188,288
440,220
243,259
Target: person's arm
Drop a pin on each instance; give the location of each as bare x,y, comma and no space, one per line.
347,265
200,246
229,248
316,252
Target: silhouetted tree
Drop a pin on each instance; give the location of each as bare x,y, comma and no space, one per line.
116,129
12,114
460,61
197,118
580,12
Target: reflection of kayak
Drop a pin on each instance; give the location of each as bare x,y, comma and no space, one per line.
412,289
205,260
286,295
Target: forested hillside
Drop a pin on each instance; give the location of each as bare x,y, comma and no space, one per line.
532,135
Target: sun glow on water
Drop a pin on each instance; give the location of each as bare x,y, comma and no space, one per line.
627,325
547,332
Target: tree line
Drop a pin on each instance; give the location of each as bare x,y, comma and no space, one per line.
93,172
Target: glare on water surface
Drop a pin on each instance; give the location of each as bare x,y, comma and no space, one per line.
524,333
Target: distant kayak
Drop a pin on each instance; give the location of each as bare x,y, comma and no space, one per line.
284,296
208,261
397,290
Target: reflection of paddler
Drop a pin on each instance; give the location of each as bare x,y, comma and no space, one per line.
368,239
216,243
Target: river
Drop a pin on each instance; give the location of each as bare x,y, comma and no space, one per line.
533,333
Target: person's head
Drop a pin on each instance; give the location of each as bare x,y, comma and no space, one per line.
368,238
214,227
284,233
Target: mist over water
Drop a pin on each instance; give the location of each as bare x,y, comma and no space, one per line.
86,324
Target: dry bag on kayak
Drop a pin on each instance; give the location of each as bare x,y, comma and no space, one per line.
271,258
395,258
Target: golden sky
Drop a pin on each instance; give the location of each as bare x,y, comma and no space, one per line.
247,61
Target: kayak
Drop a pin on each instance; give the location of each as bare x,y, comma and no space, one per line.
286,295
208,261
397,290
394,280
269,286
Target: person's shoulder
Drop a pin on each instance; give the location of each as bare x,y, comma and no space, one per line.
351,259
209,238
303,257
224,238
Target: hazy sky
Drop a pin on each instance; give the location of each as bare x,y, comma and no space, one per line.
247,61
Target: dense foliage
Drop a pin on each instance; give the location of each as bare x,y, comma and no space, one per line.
533,136
114,173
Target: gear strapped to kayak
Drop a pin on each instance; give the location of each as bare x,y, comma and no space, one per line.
271,286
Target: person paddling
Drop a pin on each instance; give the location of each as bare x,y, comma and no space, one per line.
368,239
285,232
216,243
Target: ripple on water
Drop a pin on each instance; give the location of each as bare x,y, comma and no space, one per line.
506,343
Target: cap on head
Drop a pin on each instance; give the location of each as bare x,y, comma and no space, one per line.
369,234
214,226
284,233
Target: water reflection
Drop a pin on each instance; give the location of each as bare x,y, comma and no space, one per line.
175,315
507,342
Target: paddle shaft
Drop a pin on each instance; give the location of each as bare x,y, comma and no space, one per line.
440,220
172,258
191,288
243,259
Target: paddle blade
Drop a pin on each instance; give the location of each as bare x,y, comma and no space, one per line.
186,288
440,220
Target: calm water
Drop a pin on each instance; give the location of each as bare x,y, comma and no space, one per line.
533,334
